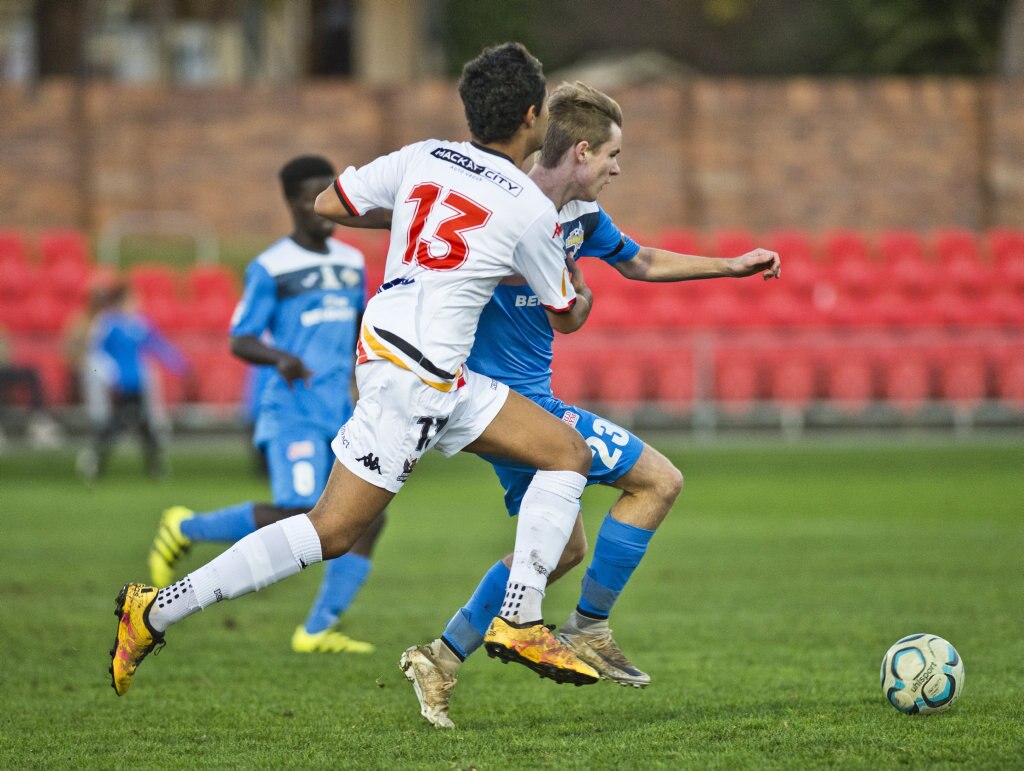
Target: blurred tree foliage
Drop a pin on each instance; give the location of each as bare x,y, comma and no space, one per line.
749,37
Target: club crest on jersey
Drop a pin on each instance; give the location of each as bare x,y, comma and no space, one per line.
468,164
574,241
572,418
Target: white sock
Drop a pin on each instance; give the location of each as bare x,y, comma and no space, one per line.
258,560
546,518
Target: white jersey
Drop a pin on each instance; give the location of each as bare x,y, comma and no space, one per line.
463,218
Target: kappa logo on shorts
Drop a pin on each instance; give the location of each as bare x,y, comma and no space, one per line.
572,418
407,466
370,461
300,450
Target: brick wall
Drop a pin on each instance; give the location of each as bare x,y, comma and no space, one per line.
869,154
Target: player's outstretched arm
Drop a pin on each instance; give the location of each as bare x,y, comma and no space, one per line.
330,206
652,264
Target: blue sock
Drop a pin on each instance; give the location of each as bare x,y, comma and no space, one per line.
228,524
465,632
618,551
344,576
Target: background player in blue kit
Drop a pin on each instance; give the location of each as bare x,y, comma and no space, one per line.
514,345
307,291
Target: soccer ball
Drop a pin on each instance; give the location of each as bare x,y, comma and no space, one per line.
922,674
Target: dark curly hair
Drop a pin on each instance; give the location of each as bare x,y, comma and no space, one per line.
498,87
298,170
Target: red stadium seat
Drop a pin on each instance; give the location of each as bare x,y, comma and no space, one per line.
45,313
849,377
792,375
1007,247
64,245
17,279
221,376
1003,307
906,377
911,274
841,245
1009,375
801,268
896,245
674,376
13,248
166,313
204,281
621,377
956,244
150,280
68,278
731,242
680,240
571,373
47,358
963,375
738,380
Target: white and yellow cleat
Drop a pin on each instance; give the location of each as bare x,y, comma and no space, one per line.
135,637
169,545
431,680
327,641
595,645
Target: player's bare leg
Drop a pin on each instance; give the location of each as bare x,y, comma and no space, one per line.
649,490
524,432
344,511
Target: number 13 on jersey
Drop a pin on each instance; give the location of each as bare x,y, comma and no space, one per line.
451,248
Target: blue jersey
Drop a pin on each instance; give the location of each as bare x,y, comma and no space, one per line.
514,337
309,303
120,342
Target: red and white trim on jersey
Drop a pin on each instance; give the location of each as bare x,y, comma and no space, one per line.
349,206
405,355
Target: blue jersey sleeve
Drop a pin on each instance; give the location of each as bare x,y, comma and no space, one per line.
256,308
606,242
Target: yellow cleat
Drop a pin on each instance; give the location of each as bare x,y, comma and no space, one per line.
169,545
135,637
327,641
534,646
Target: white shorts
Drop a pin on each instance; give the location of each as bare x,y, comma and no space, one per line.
399,417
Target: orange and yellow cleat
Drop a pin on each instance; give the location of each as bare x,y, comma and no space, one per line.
534,646
135,637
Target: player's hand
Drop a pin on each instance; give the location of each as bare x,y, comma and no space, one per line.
292,369
761,261
576,276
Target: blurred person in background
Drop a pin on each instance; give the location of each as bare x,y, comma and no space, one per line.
514,345
115,344
297,322
41,430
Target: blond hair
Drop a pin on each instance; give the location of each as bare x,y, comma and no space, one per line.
578,113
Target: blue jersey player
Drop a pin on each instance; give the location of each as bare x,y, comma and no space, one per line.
514,345
299,316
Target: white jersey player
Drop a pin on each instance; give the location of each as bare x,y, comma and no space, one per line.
458,229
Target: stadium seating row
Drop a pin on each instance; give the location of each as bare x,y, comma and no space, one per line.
737,375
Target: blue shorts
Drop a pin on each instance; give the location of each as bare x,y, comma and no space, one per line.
615,451
299,461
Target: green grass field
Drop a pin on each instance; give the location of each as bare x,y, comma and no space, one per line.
762,612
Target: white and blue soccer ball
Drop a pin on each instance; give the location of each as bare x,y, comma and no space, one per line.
921,674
